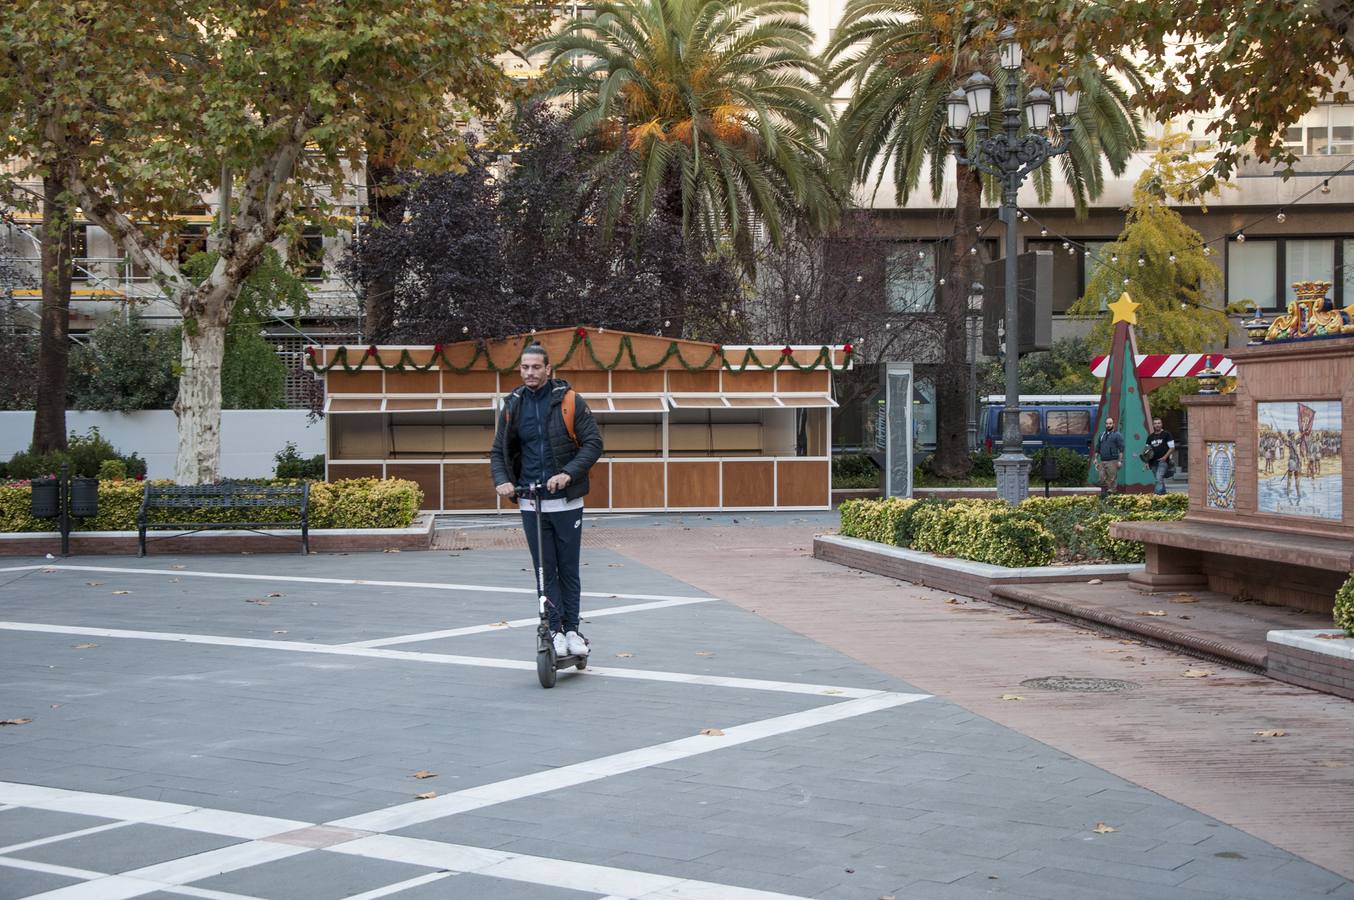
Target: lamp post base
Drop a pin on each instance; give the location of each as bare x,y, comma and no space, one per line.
1013,477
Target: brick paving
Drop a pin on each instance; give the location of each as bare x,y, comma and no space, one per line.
250,727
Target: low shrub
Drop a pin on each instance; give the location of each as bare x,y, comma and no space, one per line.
987,531
112,470
873,520
1072,466
84,453
1344,606
983,464
291,464
352,503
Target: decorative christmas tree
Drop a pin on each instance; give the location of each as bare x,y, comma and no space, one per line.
1122,399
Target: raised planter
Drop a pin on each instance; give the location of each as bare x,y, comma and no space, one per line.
418,536
959,576
1322,664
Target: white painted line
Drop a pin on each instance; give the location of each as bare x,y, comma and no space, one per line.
215,862
542,870
785,687
62,837
305,579
543,782
187,891
520,623
48,868
402,886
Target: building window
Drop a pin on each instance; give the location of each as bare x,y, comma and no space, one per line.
910,280
1253,272
1326,130
1068,422
310,254
1263,270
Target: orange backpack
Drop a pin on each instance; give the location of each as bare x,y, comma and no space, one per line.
567,410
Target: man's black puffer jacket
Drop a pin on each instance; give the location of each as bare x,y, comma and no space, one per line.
573,460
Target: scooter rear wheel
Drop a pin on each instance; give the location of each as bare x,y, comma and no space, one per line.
545,667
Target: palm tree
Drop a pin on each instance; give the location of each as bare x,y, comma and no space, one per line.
901,59
714,109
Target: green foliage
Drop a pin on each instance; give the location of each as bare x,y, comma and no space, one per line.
873,520
353,503
125,366
84,453
984,464
1080,525
718,111
854,470
252,375
1063,369
987,531
1072,466
112,470
19,374
1174,315
271,287
1344,606
291,464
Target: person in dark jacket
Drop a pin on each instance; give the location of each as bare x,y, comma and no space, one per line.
1109,450
532,444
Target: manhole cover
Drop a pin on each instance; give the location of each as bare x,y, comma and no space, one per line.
1071,683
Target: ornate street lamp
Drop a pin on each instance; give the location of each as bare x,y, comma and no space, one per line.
1009,156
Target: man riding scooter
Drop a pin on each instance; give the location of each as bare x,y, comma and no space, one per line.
546,434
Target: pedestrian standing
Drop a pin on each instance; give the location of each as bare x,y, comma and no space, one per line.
1109,452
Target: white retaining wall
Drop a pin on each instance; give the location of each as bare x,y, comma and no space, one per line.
249,437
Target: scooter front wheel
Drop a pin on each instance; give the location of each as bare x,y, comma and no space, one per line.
545,667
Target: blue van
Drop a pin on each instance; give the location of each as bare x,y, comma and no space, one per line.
1046,420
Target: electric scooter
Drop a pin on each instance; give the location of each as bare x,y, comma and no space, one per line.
548,663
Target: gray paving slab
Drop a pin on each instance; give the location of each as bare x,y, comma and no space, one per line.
19,826
126,848
921,800
16,882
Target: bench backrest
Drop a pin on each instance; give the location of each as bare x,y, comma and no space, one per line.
227,494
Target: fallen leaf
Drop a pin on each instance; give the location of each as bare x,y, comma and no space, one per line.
1273,732
279,631
117,593
1153,612
56,706
1197,673
424,773
85,646
1011,697
615,565
501,623
428,796
259,600
391,550
1102,828
712,732
94,583
1184,617
704,653
1184,598
1331,637
1130,642
15,721
952,600
1095,581
624,654
1113,650
831,691
276,594
178,566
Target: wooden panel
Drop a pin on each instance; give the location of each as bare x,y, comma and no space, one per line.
468,486
338,471
475,382
599,490
427,476
340,382
694,382
693,484
410,404
802,483
637,382
749,381
636,485
354,404
413,382
749,483
587,382
802,382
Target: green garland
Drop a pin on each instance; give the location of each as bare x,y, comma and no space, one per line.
406,362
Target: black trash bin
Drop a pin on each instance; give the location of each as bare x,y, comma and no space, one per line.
46,498
84,497
1049,467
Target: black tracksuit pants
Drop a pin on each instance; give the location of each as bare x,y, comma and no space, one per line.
562,536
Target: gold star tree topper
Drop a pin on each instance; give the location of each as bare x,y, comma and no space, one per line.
1124,309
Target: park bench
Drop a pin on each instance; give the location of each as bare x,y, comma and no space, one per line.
269,506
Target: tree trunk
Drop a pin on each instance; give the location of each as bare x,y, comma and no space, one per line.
49,422
198,405
953,388
387,206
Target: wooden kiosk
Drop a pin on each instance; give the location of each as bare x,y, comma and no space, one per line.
686,425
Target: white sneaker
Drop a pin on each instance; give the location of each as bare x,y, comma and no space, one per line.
577,646
560,644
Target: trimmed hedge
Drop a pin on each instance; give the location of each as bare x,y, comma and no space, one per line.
1035,533
351,503
1344,606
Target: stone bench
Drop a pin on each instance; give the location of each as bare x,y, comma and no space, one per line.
1247,561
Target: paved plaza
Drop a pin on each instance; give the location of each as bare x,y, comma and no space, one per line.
255,726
